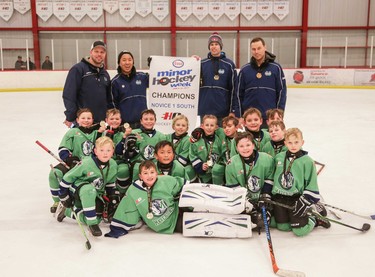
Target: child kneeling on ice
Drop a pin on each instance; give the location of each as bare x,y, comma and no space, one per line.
151,198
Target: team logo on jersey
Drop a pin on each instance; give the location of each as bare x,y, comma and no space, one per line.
214,157
148,152
98,183
268,73
158,207
253,184
87,147
221,71
286,180
138,82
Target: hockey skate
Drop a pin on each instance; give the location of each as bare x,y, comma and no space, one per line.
322,222
95,230
60,212
54,207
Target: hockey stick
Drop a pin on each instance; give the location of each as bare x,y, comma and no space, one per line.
350,212
87,243
278,271
321,167
335,214
53,155
365,227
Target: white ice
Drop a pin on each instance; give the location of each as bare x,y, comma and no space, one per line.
339,131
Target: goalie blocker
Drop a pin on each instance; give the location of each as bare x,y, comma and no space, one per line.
214,198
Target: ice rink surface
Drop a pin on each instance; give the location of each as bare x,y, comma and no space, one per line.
339,131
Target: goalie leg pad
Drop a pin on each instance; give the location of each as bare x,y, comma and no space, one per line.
216,225
213,198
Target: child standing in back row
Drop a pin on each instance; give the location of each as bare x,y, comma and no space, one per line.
181,144
276,145
253,122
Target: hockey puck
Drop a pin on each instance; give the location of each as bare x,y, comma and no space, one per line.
366,227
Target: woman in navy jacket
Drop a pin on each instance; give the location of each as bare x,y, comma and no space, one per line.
129,90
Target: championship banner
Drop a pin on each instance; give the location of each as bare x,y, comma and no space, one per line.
61,10
127,9
94,10
173,90
200,9
216,9
77,10
264,9
232,9
44,10
22,6
143,7
249,8
6,10
281,8
110,6
160,9
184,9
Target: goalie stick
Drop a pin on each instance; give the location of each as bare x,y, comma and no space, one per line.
365,227
350,212
53,155
87,243
278,271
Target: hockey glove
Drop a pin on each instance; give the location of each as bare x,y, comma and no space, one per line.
264,200
114,201
196,134
257,218
66,200
72,161
130,146
302,207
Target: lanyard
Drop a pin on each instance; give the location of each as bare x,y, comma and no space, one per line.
287,171
247,175
209,150
149,215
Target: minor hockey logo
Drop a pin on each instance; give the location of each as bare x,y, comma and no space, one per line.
87,147
159,207
253,184
286,180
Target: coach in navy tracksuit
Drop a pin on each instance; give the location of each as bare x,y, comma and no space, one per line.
129,90
261,83
88,85
218,81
